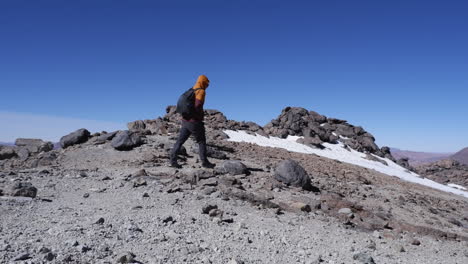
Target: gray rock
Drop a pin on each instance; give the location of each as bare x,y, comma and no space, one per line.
24,189
235,261
233,167
345,130
107,136
77,137
34,145
138,125
208,207
291,173
311,141
363,258
127,257
317,117
22,256
23,153
126,140
49,256
7,152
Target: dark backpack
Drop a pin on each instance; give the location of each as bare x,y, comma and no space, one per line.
186,103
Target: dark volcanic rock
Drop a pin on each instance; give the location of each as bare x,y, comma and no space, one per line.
77,137
291,173
107,136
233,167
24,189
314,128
126,140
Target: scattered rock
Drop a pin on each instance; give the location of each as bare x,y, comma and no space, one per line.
233,167
363,258
49,256
415,242
299,207
291,173
22,256
235,261
208,207
126,140
126,258
24,189
100,221
77,137
34,145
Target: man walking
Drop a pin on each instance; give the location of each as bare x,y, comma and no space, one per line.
193,125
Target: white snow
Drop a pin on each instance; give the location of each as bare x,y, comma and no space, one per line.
338,152
453,185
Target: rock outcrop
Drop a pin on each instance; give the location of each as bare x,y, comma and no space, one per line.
445,171
317,129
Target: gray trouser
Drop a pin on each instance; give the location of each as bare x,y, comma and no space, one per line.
197,129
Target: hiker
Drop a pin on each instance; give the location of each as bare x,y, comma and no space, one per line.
192,124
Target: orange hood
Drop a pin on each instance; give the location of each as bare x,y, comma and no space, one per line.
202,82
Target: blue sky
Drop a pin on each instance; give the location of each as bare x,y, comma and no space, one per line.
397,68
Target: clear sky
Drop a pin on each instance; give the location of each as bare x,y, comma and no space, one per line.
397,68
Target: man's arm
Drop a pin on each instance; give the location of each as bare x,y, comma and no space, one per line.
199,102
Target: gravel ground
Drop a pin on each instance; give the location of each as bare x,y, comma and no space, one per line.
96,205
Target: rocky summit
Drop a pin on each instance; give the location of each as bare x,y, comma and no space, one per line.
111,197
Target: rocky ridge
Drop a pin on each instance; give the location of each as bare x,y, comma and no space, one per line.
445,171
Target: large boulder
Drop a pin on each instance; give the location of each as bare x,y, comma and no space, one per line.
291,173
233,167
77,137
126,140
7,152
24,189
34,145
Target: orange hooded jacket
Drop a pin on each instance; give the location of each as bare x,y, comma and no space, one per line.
201,84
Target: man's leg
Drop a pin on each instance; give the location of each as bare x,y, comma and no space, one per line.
200,137
183,136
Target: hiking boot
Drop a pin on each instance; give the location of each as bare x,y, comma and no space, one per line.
174,164
208,165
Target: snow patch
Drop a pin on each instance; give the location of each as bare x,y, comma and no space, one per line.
339,152
456,186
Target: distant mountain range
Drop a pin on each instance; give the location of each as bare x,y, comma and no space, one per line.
6,144
417,157
461,156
